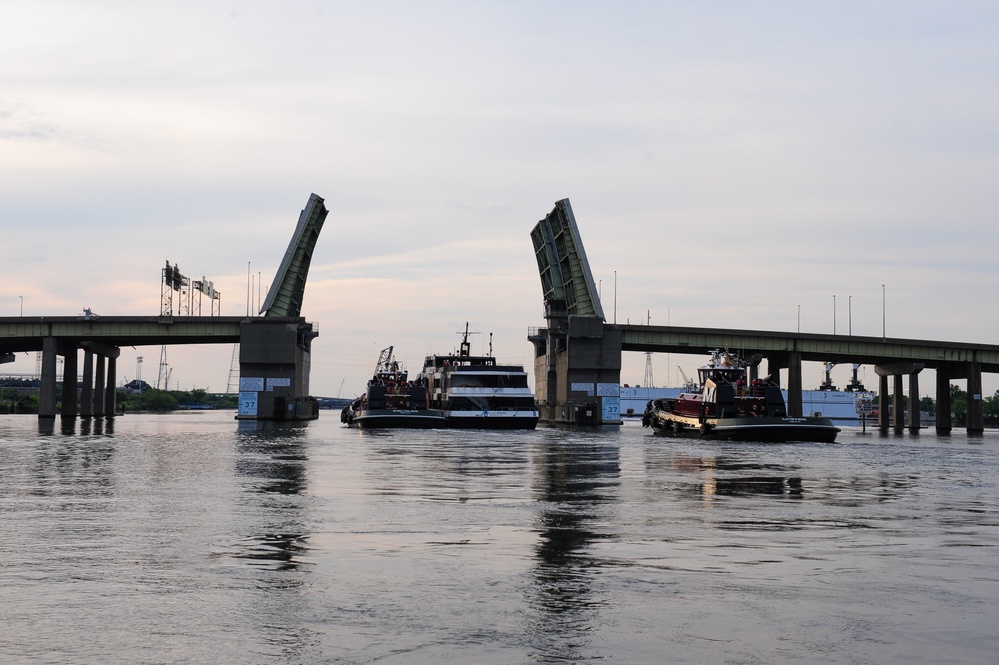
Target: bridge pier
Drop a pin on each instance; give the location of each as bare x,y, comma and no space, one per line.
944,421
791,361
70,400
794,407
87,391
110,391
898,404
577,371
99,377
47,390
914,424
274,363
976,407
884,410
97,393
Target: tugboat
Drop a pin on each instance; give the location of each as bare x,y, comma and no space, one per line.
475,392
391,400
729,407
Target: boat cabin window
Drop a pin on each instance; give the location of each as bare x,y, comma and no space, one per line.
489,380
492,404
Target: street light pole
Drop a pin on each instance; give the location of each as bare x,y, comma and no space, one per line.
884,333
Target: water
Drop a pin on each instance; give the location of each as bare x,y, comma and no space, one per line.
191,538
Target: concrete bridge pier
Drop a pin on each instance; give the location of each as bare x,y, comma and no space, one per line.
87,390
944,421
976,406
794,398
70,400
274,361
914,424
898,404
110,393
884,410
97,392
99,377
792,362
897,410
47,390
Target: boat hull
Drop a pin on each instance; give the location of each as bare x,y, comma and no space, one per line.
772,429
399,418
491,420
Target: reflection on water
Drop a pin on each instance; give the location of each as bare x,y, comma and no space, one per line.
571,481
194,538
272,456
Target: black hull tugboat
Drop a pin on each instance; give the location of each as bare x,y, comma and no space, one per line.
392,401
730,407
477,393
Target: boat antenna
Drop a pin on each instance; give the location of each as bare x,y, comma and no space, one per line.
466,348
490,345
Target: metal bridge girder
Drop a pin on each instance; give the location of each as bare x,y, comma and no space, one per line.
562,264
286,293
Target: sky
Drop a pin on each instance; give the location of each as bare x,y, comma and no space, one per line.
756,165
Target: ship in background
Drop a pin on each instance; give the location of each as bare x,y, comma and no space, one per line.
845,407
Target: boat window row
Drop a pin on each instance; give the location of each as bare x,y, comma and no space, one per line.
494,404
489,381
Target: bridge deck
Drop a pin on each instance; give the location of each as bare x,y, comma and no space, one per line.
816,347
26,333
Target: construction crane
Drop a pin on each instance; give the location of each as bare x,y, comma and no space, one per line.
688,384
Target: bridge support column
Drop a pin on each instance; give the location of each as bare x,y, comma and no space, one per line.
47,392
274,362
109,392
577,370
99,387
87,391
914,401
897,406
883,409
944,421
69,387
794,408
976,406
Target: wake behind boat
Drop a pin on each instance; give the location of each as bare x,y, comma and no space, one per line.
728,406
391,400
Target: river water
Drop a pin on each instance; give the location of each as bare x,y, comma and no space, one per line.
191,538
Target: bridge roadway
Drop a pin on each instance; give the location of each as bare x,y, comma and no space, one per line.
101,339
28,333
890,356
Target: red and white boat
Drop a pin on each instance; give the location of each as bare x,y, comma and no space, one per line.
730,406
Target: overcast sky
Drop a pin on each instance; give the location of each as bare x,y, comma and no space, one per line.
729,160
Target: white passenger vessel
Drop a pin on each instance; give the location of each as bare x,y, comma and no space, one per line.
476,392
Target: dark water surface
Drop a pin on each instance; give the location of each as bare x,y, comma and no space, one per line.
196,539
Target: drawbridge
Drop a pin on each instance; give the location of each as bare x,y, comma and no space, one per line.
577,359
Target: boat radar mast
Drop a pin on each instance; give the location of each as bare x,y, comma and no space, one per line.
466,348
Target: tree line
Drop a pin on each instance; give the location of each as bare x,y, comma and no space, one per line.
148,400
